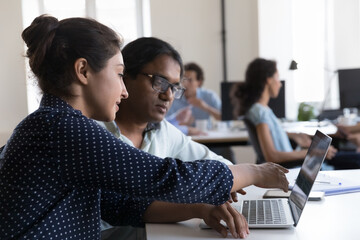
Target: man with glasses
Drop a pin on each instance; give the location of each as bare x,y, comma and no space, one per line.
161,85
153,78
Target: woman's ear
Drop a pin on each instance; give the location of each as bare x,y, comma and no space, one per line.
269,80
81,70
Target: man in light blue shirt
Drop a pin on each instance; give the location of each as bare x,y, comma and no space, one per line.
206,96
204,103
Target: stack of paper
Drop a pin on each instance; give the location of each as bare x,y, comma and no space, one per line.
333,186
328,184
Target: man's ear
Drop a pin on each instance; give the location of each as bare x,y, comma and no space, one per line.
82,70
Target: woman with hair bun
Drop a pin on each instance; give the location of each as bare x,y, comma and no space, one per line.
60,171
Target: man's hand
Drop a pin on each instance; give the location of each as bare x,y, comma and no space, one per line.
331,153
355,138
184,116
195,132
197,102
235,221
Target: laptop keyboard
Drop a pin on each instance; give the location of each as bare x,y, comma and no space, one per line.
267,211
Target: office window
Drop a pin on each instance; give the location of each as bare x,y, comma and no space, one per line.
64,8
110,12
124,16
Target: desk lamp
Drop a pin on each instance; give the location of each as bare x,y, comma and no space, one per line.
293,65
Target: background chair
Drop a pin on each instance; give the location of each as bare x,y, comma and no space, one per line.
254,140
256,145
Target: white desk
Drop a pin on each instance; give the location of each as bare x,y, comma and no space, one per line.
241,137
238,137
309,127
336,217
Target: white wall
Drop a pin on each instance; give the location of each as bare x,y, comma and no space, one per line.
347,34
276,43
242,36
13,101
194,29
345,38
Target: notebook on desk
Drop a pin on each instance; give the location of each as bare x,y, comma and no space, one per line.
282,213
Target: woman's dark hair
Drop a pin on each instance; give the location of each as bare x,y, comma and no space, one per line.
144,50
197,69
54,46
249,92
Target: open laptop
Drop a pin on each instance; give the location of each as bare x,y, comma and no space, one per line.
283,213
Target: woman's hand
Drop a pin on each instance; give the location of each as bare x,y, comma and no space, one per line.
233,195
271,175
301,139
235,221
266,175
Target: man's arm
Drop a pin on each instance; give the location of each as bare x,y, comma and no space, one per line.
197,102
160,212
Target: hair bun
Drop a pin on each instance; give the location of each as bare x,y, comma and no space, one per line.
38,38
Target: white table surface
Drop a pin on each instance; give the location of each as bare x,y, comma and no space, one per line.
335,217
309,127
241,135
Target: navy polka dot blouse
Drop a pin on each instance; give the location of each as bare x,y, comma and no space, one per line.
60,172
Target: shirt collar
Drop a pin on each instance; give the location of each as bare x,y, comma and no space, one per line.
152,126
52,101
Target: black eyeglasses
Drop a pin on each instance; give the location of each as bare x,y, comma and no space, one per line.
161,85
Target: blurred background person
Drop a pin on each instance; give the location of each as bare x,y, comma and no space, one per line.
203,103
262,82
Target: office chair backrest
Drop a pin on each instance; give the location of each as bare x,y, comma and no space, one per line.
256,144
254,140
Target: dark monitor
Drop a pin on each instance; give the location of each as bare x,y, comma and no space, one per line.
278,104
349,88
227,109
330,114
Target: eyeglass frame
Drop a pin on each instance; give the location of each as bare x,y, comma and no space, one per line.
175,89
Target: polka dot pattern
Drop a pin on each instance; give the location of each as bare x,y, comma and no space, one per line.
60,172
121,207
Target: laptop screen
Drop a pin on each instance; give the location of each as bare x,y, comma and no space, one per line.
308,172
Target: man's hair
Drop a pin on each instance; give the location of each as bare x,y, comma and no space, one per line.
197,69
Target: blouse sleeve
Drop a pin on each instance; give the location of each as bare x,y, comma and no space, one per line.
121,210
1,155
90,156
